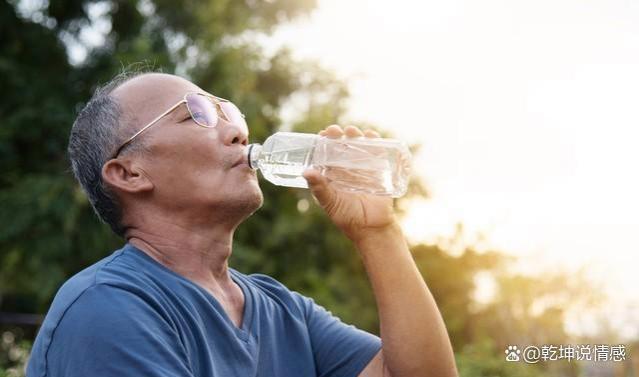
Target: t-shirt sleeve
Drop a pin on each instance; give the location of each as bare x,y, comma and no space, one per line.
110,331
339,349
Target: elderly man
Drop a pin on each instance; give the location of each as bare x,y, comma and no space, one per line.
164,164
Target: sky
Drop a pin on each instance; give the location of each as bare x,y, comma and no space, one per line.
527,112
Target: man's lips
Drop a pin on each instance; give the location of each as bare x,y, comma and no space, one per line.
240,161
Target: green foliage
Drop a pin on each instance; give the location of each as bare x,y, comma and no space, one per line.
451,279
14,352
525,310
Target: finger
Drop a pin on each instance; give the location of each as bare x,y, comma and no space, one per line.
334,131
318,185
371,133
322,133
352,131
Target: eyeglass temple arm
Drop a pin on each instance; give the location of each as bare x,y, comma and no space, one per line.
154,121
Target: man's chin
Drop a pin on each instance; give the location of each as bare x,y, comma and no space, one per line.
260,201
253,200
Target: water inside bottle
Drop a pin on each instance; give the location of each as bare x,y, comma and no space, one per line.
284,166
356,165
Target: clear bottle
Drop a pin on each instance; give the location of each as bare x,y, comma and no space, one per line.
370,165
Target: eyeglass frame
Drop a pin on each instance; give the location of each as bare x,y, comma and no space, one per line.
216,101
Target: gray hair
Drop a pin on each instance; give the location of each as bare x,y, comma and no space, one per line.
96,133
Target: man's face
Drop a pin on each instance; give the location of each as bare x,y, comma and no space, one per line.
191,167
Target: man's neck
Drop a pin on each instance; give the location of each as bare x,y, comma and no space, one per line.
200,255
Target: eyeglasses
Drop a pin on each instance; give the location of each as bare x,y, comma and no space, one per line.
205,110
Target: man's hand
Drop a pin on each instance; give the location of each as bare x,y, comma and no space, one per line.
357,215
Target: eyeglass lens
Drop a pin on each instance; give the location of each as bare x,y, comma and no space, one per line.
202,110
205,113
233,114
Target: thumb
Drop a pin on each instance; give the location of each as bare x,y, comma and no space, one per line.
318,185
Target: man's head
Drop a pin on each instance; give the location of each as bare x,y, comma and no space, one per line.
174,171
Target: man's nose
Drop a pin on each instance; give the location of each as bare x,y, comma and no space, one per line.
235,134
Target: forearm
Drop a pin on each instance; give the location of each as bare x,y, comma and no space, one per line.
414,338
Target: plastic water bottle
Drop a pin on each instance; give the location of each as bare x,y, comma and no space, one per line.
370,165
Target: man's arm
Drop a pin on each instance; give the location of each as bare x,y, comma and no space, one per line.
414,338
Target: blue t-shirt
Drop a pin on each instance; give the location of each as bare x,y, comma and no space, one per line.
128,315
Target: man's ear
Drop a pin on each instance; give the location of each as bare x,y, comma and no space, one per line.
126,176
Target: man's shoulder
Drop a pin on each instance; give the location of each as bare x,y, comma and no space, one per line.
80,282
83,290
118,269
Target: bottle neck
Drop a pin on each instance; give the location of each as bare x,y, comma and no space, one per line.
253,151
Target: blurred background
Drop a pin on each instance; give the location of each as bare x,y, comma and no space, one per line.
522,213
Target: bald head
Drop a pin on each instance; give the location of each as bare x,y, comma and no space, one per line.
141,97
